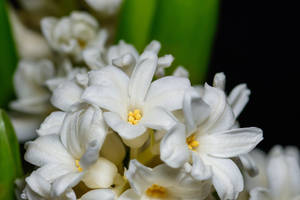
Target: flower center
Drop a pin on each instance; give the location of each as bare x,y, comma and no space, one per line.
78,165
192,142
134,116
81,43
156,191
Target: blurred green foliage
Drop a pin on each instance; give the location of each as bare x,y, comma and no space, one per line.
8,57
10,162
186,29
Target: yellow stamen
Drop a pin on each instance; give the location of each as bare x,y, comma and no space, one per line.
156,191
192,142
81,43
78,165
134,116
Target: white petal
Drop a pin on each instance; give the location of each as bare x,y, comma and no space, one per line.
62,184
158,118
154,46
126,62
138,176
103,194
45,150
129,194
221,117
25,126
47,26
227,179
173,148
219,81
239,98
119,50
231,143
195,110
113,144
292,159
168,92
181,72
141,77
112,77
123,128
81,128
93,58
52,171
91,155
249,165
38,184
259,194
66,95
107,97
281,179
101,174
52,124
200,171
138,141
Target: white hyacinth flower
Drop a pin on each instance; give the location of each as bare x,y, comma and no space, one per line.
209,140
73,155
38,188
133,103
163,182
73,34
124,55
105,7
279,177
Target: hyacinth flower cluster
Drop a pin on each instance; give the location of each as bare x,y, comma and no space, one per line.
119,128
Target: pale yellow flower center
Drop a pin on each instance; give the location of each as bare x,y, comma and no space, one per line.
156,191
134,116
192,142
78,165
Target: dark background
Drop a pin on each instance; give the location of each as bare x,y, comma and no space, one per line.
257,46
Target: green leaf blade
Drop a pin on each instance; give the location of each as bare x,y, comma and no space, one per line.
10,162
8,57
186,29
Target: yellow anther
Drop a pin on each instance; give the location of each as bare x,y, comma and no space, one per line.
78,165
156,191
134,116
192,142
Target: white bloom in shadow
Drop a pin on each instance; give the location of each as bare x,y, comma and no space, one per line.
38,188
133,104
163,182
73,155
210,140
279,177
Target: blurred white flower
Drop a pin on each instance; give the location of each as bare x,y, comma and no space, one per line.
32,101
105,7
135,104
73,34
210,141
29,43
279,175
73,155
163,182
29,83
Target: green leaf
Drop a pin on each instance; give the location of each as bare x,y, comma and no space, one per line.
186,29
136,22
10,162
8,57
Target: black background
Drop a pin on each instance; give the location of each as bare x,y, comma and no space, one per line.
256,44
